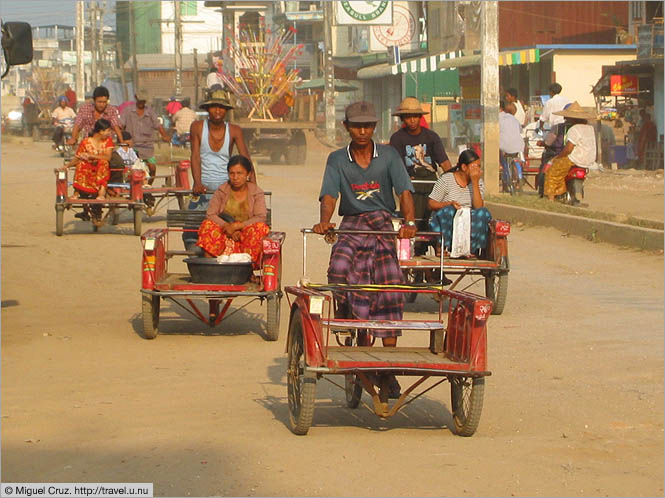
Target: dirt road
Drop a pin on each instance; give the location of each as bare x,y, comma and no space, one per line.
574,406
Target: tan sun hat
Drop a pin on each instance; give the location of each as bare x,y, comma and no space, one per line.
409,105
574,110
218,97
141,94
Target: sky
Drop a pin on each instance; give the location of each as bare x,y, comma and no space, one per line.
45,12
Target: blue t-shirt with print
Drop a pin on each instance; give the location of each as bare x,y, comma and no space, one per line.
365,189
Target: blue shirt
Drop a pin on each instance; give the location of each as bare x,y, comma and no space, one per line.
365,189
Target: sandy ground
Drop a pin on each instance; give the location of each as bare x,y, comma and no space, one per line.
574,406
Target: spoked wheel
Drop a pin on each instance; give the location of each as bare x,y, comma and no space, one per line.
507,179
138,219
59,220
150,309
496,289
301,388
466,396
354,390
272,327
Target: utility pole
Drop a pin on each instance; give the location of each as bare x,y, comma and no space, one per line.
80,67
100,45
329,71
121,68
489,97
178,48
196,79
132,46
93,43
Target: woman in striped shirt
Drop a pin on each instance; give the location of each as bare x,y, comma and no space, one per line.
461,186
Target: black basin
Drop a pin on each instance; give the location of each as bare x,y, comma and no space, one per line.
209,271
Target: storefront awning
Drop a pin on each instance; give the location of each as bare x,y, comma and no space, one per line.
421,65
519,57
429,63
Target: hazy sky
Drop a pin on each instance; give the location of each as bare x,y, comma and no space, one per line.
45,12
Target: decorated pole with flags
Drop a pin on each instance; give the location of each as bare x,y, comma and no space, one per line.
261,76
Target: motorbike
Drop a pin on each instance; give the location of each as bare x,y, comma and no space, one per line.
66,150
574,184
181,140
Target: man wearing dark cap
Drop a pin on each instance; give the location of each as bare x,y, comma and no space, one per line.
363,175
212,143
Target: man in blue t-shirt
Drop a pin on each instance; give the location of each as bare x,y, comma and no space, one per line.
363,175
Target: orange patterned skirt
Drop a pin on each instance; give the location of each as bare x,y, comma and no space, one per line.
213,240
91,176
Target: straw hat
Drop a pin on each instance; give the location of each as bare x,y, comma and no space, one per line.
218,97
574,110
141,94
409,105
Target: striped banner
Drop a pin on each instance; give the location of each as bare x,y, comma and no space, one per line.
519,57
425,64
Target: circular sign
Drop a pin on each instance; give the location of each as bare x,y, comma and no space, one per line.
364,11
402,30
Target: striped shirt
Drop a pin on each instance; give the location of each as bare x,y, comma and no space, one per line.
446,189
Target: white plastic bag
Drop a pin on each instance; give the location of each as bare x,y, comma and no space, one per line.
461,245
140,165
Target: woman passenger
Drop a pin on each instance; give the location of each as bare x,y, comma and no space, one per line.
93,155
579,149
461,186
237,213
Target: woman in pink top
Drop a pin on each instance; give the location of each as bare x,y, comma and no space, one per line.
237,213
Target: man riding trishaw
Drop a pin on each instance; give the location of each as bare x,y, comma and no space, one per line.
363,175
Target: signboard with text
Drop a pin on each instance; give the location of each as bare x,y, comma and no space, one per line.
364,13
624,84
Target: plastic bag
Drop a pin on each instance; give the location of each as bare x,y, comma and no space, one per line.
140,165
461,244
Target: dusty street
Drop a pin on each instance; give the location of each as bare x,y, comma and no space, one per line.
574,406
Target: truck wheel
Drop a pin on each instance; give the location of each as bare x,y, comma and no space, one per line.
292,155
302,154
275,156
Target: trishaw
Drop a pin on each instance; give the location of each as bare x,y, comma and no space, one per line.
158,283
492,266
453,350
129,194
